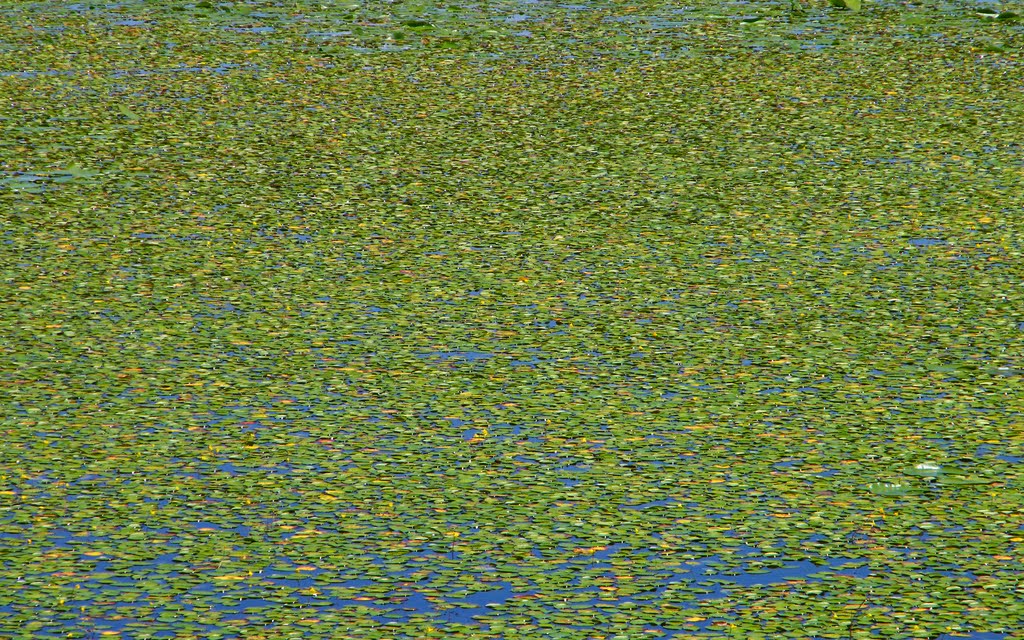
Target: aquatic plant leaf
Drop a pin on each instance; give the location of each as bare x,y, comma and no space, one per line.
889,489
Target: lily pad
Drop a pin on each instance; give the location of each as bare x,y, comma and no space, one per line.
932,470
890,489
853,5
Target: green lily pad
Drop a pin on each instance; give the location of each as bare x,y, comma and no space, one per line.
890,489
956,480
853,5
932,470
925,470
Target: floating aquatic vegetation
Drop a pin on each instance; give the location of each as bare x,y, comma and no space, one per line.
386,320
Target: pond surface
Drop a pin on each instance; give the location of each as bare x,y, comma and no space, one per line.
517,319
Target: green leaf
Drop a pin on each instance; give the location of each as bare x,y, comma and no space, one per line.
890,489
76,171
965,480
126,112
925,470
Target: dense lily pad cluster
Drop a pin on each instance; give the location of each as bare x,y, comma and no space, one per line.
511,320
